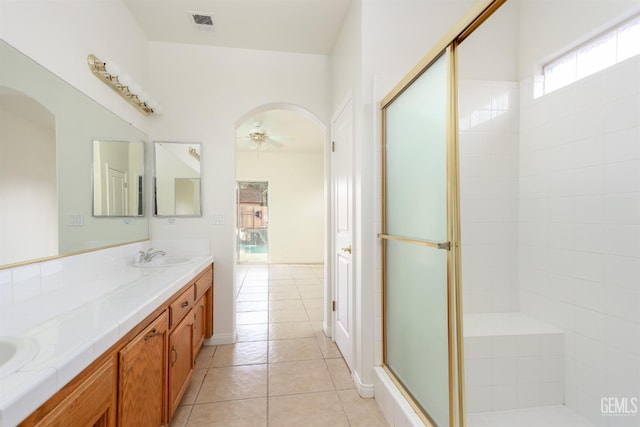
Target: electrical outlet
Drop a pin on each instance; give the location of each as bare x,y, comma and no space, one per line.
75,219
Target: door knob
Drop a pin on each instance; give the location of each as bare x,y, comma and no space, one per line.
347,249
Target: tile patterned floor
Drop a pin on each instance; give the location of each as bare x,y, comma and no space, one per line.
282,371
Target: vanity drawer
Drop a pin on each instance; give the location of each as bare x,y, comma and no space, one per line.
181,306
203,283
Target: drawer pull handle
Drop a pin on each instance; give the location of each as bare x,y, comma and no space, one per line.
175,353
184,304
151,334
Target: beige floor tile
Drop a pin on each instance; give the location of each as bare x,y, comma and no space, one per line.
340,373
308,410
329,348
275,283
315,308
252,317
258,332
274,289
309,281
244,306
235,413
283,295
241,353
298,377
297,315
181,416
311,292
287,304
294,349
234,382
361,412
288,330
190,395
254,289
204,357
261,296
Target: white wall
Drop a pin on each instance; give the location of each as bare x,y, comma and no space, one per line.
296,202
216,88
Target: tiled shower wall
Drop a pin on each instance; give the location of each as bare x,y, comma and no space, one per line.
488,125
579,230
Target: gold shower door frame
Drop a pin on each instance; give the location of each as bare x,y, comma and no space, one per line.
477,14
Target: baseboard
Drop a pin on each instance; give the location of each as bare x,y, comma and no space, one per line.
366,391
220,339
326,329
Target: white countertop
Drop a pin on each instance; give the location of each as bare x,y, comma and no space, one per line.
75,324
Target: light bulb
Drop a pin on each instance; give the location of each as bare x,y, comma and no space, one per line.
112,68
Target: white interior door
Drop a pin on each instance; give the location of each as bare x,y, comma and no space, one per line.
116,191
342,183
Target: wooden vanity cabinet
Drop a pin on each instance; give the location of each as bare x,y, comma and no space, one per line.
142,376
92,403
141,379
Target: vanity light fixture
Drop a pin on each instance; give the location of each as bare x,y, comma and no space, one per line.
111,74
194,153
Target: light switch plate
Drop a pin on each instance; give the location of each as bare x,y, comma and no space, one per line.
218,218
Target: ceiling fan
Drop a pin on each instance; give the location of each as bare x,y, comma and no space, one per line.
257,138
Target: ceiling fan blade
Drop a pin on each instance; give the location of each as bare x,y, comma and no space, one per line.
275,143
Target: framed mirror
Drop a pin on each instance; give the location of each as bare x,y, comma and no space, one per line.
118,178
177,179
48,128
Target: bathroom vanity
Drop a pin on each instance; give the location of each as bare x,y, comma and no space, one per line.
151,326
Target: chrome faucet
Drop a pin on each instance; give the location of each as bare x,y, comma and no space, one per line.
148,255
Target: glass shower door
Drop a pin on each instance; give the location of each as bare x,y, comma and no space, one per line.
416,242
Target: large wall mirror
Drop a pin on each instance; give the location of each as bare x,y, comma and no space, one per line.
118,178
177,179
48,129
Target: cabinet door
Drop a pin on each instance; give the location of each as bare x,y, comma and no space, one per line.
200,320
180,360
91,404
142,377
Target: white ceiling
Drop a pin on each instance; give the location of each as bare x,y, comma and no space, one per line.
299,26
291,130
303,26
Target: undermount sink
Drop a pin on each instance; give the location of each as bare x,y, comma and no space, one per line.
163,261
15,352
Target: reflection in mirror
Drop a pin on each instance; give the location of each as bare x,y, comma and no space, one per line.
47,128
118,168
28,189
177,179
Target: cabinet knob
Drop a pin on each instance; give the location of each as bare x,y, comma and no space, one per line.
184,304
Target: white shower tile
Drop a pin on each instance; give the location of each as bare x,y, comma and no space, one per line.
622,209
504,346
588,266
622,79
504,371
623,240
588,237
590,352
529,345
590,324
588,181
623,145
529,394
622,113
590,295
622,177
478,398
529,369
623,303
620,333
504,397
587,152
622,271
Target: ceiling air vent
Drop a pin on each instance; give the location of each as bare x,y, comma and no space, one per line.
202,21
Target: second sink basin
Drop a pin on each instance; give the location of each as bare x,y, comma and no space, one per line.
15,352
164,261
